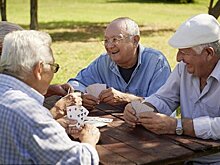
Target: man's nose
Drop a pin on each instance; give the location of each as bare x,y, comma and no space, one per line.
179,56
109,44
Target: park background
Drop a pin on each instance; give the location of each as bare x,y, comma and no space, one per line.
77,26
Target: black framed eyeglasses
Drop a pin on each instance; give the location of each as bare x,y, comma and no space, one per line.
55,67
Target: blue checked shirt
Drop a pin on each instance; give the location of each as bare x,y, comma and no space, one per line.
149,75
29,134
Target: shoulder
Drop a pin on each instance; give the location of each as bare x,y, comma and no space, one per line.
153,53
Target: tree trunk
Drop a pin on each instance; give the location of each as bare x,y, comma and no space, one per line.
3,10
215,11
34,21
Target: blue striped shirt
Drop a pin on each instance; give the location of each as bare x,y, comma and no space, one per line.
29,134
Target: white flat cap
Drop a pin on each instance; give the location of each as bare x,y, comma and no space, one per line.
197,30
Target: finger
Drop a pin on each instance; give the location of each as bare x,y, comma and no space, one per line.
71,122
90,100
105,95
129,114
133,124
147,115
68,88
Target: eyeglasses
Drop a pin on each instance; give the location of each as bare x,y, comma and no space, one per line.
55,67
114,40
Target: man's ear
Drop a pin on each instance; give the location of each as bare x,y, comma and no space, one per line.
37,70
210,53
136,39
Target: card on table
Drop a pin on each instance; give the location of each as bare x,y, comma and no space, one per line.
139,107
78,113
98,121
95,89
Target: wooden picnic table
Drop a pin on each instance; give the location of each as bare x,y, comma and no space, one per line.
122,144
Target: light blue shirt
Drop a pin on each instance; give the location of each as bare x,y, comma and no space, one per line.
29,134
203,107
150,74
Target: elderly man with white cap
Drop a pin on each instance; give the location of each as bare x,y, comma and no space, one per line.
194,85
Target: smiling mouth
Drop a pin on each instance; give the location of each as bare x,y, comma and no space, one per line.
114,52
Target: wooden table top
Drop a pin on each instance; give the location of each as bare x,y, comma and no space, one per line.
122,144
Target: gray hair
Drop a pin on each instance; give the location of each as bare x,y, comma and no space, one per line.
7,27
130,25
215,45
22,50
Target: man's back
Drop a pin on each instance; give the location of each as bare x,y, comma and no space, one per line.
29,134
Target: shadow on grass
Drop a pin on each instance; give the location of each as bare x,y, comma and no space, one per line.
85,31
152,1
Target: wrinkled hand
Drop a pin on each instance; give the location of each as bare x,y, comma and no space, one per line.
157,122
60,90
69,126
89,134
89,101
59,110
129,115
113,97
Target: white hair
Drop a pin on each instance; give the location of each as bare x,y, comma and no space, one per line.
22,50
215,45
131,27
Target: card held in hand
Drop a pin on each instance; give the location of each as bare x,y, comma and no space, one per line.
79,113
140,107
95,89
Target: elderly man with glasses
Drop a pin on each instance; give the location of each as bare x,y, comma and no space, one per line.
130,71
56,96
29,134
194,85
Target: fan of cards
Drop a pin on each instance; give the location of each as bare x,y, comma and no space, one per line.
139,107
77,112
80,113
95,89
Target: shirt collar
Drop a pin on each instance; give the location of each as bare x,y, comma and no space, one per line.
215,73
17,84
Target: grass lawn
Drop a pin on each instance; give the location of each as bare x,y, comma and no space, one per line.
77,26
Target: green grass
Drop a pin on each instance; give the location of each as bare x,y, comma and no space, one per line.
77,26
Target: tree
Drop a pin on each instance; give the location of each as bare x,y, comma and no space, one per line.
3,10
34,20
215,11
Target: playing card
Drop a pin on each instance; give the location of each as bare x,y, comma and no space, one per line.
98,121
95,89
136,104
139,107
78,113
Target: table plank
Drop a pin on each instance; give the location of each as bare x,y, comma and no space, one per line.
123,144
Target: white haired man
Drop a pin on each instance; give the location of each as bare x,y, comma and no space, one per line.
130,71
55,91
194,85
29,134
